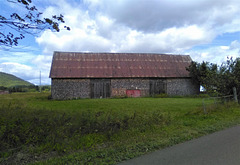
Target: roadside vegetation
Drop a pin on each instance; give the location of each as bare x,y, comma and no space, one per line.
34,129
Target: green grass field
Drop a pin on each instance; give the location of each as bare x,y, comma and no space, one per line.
36,130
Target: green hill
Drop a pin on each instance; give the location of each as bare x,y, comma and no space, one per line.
9,80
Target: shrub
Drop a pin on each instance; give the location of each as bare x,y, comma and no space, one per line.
55,130
162,95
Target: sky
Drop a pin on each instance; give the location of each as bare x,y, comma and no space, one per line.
207,30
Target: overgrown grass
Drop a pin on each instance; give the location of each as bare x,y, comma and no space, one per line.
101,131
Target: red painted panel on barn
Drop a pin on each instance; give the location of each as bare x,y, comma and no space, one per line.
133,93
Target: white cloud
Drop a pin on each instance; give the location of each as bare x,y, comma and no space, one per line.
23,71
92,4
29,69
100,33
25,63
140,26
216,54
235,45
158,15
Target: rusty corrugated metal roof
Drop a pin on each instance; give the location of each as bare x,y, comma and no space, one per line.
118,65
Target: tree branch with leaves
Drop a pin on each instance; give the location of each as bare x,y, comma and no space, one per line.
29,23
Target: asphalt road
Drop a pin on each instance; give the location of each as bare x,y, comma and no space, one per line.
220,148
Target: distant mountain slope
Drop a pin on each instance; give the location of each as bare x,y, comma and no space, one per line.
8,80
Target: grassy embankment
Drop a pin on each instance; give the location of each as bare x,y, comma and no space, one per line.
101,131
8,80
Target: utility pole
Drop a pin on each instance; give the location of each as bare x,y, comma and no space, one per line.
40,83
235,94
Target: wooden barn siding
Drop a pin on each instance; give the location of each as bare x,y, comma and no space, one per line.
63,89
100,88
157,86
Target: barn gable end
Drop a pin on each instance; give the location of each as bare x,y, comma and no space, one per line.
100,75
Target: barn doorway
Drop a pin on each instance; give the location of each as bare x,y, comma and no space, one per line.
157,87
100,88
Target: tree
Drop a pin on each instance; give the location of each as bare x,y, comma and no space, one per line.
217,79
229,75
31,22
205,74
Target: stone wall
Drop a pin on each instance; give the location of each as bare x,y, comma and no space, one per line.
63,89
3,92
80,88
182,87
119,86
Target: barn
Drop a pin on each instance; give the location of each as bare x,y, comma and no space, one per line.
103,75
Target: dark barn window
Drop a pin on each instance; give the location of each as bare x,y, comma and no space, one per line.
157,87
100,88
